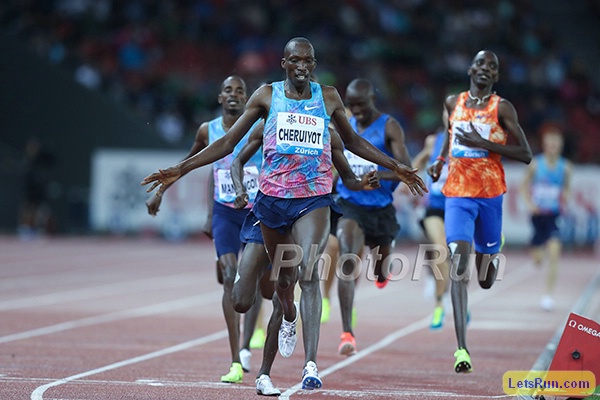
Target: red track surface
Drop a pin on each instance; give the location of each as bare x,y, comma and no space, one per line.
122,318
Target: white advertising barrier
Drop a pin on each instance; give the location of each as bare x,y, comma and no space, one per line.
579,224
118,201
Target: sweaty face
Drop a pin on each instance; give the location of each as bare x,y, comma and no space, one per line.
485,68
299,62
233,94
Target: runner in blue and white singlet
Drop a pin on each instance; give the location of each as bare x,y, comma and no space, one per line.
224,192
226,221
545,189
297,146
294,202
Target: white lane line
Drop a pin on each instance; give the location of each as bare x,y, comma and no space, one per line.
107,290
38,393
245,390
474,297
152,309
354,394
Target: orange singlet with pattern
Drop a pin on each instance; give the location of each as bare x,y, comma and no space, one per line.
475,172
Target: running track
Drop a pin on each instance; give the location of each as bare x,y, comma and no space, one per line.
139,318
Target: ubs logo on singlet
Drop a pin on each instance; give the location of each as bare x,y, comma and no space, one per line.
306,120
302,119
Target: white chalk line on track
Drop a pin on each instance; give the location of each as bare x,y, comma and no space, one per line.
251,391
159,308
108,290
38,393
474,297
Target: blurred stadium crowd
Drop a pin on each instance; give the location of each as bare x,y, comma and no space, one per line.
164,60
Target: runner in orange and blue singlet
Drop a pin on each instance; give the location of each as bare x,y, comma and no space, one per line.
475,182
477,125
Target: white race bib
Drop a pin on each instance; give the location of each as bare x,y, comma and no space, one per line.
546,195
359,165
300,134
462,151
225,186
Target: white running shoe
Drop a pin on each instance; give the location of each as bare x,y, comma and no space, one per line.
310,377
287,335
264,386
245,356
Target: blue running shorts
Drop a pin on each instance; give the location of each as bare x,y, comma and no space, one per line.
279,213
544,228
251,232
226,226
476,220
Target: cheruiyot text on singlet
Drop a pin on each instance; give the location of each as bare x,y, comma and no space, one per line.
296,146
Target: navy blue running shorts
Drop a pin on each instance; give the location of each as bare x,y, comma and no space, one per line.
251,232
226,226
544,228
279,213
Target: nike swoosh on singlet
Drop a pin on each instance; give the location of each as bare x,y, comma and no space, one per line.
307,108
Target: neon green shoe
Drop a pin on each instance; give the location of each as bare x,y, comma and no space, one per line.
463,361
326,311
257,341
438,318
354,317
235,375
